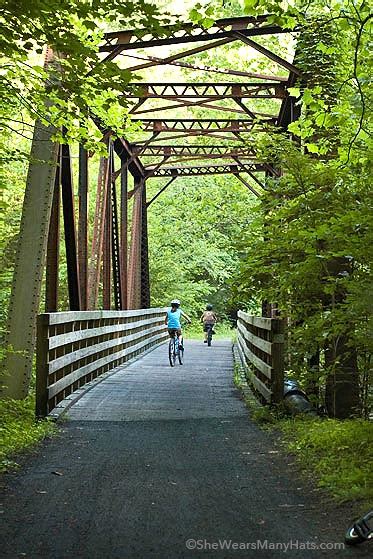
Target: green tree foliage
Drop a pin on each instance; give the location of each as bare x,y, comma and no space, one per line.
67,94
312,249
191,227
80,86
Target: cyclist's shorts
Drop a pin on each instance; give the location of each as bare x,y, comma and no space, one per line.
207,326
171,332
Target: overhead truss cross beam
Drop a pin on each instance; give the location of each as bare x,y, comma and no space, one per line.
188,150
254,90
118,41
204,124
202,170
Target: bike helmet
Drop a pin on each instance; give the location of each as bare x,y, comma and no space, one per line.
209,307
175,303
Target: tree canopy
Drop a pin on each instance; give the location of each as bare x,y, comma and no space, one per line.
306,245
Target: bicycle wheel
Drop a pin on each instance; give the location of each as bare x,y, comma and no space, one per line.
352,537
172,352
209,336
180,353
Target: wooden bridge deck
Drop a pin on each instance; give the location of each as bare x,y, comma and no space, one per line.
161,463
149,389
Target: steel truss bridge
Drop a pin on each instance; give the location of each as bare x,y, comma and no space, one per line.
107,261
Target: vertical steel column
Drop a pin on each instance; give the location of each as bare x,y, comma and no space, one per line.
106,255
69,226
134,268
98,234
123,235
52,262
116,263
83,227
266,306
145,283
30,258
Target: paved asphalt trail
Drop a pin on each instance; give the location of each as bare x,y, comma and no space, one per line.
153,457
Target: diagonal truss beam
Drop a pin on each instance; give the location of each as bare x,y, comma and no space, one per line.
160,191
248,185
179,135
179,55
269,54
208,158
211,69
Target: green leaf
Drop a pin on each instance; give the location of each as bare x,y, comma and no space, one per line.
294,91
312,148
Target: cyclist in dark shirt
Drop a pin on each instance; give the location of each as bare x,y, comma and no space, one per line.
208,318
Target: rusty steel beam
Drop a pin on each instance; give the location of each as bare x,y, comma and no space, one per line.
179,135
211,69
115,249
172,91
189,33
239,102
172,150
269,54
69,228
153,167
123,234
161,191
134,264
123,149
204,103
98,234
83,227
53,253
144,256
203,124
180,55
248,185
158,165
201,170
107,247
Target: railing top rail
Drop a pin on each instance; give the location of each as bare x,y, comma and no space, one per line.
258,321
72,316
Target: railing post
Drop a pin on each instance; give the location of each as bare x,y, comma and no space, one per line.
42,359
277,360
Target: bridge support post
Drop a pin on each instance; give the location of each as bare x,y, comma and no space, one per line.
52,260
145,280
138,270
30,259
134,267
106,254
83,228
123,235
115,249
98,234
70,231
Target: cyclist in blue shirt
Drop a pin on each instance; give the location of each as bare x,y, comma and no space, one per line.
172,319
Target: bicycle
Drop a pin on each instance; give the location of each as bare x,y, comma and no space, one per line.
210,332
360,531
175,350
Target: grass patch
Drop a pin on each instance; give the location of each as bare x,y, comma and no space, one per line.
19,430
223,330
339,453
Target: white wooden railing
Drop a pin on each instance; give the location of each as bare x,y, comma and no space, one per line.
261,348
73,348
